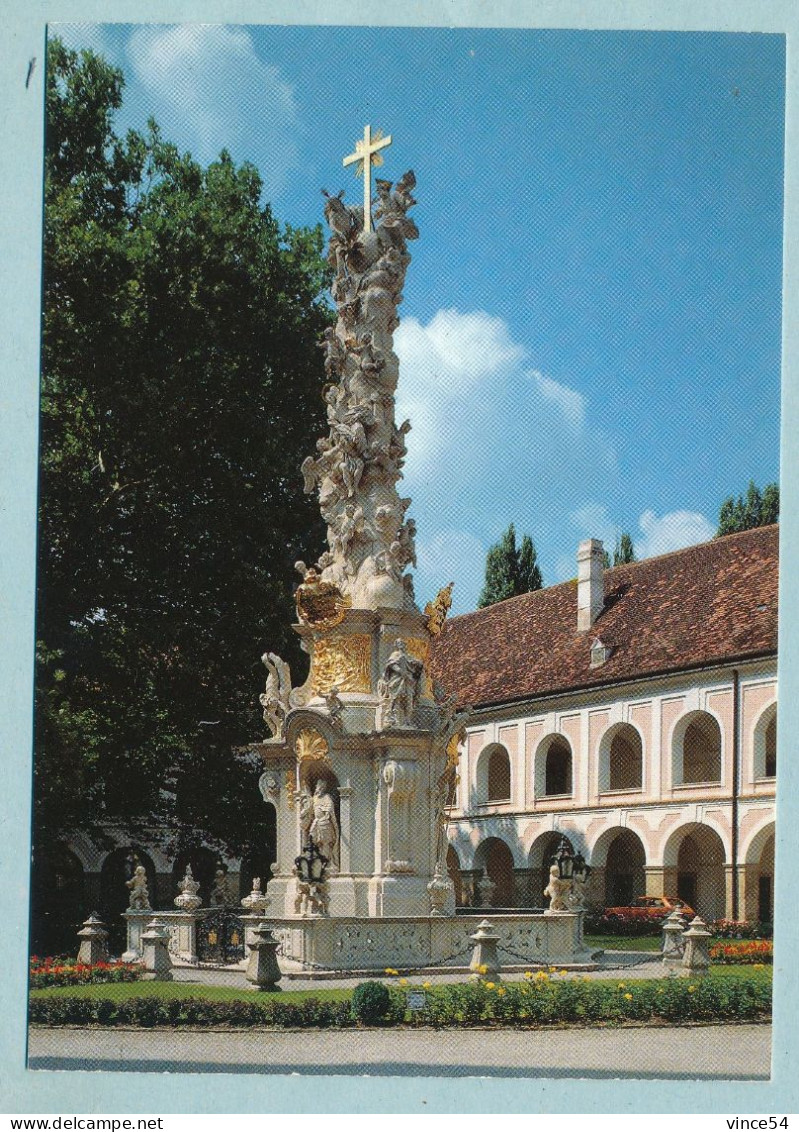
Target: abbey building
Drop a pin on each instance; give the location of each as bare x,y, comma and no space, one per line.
632,711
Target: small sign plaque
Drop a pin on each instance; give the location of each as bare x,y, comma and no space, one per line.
417,1000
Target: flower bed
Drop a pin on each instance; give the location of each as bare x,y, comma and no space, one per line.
56,971
537,1001
755,951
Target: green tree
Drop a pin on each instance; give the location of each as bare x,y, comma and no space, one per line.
180,391
510,571
624,551
755,509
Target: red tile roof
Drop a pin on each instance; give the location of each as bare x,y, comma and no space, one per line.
708,604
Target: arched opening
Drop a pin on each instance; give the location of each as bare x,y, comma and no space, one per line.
694,860
771,748
540,857
698,750
765,744
499,775
57,902
496,860
621,759
454,873
116,871
625,877
557,769
492,775
759,877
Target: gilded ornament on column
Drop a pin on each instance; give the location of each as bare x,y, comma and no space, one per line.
320,603
436,610
311,744
421,651
344,663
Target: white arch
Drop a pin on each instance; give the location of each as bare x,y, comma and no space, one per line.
756,750
677,737
481,773
602,783
750,849
539,763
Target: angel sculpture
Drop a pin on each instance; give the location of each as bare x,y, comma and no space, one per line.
275,696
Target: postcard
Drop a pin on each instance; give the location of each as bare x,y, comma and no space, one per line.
401,429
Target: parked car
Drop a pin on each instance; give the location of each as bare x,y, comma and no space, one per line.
649,909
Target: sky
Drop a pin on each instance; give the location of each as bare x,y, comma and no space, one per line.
590,334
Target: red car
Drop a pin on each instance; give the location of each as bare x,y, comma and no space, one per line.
650,908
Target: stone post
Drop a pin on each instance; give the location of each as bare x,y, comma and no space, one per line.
155,943
672,943
94,941
263,970
485,961
696,957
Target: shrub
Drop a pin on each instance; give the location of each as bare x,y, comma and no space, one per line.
371,1003
741,929
538,1001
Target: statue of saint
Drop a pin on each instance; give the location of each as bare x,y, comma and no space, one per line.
324,827
219,892
399,687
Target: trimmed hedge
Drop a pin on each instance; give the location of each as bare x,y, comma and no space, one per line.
538,1001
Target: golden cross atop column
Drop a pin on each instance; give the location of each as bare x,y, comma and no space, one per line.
367,155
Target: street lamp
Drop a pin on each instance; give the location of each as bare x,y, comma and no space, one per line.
565,860
311,864
580,868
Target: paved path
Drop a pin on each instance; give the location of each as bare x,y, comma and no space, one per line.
689,1052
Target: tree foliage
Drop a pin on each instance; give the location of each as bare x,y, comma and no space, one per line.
180,390
755,509
510,571
623,552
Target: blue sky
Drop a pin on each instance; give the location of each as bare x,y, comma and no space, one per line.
590,337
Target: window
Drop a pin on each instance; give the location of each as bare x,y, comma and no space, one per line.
558,768
498,775
625,760
701,750
771,747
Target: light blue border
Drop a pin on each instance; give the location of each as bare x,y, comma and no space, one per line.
20,225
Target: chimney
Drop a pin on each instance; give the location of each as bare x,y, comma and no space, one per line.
590,583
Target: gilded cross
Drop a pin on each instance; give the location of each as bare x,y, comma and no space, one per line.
367,155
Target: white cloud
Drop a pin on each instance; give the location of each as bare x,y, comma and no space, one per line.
592,520
204,85
569,401
493,441
672,531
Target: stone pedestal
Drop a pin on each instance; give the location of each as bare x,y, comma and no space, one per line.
94,941
672,942
364,945
263,970
696,957
155,944
485,961
182,928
